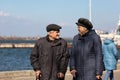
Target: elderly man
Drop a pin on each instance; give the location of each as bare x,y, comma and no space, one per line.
49,57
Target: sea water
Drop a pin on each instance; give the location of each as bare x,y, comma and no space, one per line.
12,59
15,59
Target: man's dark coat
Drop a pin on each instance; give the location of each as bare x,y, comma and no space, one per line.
50,58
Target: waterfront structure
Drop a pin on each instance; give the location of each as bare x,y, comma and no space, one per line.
117,31
16,45
115,35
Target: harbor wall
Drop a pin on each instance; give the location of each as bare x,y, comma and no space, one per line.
16,45
20,45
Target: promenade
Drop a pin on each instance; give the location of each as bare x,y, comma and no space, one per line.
29,74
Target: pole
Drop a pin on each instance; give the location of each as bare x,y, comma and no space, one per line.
90,10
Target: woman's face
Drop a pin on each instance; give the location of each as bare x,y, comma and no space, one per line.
82,30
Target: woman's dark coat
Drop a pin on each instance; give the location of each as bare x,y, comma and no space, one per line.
86,56
50,58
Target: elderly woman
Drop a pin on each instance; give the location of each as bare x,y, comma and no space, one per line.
86,60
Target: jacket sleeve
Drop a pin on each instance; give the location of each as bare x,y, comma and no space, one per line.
64,60
34,57
115,52
99,55
72,56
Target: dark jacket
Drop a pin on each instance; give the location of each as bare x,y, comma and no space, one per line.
50,57
86,56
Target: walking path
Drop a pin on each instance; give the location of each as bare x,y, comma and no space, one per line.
29,74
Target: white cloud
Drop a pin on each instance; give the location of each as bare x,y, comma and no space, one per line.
20,17
4,13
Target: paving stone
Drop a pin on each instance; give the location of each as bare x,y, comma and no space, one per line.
29,74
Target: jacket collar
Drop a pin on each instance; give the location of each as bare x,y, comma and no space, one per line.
55,42
91,32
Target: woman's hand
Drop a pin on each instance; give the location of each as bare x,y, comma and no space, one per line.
73,72
98,77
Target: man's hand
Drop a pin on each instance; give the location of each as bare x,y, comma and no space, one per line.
73,72
60,75
38,73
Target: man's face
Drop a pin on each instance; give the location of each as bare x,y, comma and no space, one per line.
54,34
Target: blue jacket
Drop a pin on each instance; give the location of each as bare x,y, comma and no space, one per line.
110,54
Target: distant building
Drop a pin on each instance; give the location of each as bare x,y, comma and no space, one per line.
101,32
115,35
118,27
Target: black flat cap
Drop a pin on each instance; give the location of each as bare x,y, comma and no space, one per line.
54,27
85,23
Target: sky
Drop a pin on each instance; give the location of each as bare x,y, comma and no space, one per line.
29,18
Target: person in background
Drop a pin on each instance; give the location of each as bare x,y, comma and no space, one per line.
86,59
110,57
49,57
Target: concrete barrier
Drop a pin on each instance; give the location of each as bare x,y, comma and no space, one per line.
16,45
21,45
6,45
